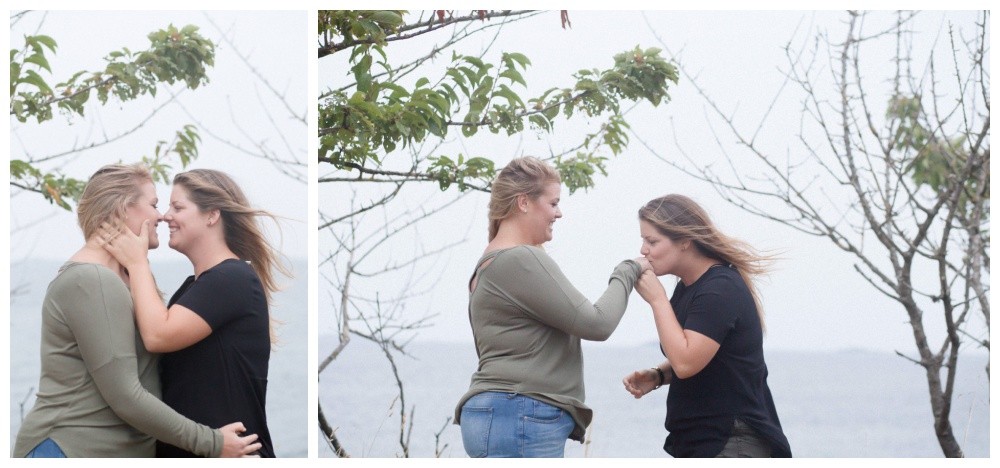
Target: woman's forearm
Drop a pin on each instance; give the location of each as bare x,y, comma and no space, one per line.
150,311
669,330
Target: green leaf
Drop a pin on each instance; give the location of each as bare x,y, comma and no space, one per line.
390,18
513,76
46,41
39,59
512,98
521,59
32,78
552,112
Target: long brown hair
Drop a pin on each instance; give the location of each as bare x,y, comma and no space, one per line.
522,176
679,218
215,190
108,193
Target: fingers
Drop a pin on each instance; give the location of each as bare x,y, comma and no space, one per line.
251,444
144,230
236,427
106,234
631,385
251,449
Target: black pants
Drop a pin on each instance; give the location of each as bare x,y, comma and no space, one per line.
745,443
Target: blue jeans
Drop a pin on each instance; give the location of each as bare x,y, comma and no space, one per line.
506,425
47,449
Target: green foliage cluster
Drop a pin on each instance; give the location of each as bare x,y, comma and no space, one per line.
174,56
935,160
376,115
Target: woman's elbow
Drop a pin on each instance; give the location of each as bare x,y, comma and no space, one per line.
683,374
157,344
597,333
685,370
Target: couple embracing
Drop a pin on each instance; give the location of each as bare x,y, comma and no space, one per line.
526,398
125,374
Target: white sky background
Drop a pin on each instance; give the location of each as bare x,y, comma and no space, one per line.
814,299
234,105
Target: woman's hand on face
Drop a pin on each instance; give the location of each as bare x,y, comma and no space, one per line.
644,263
234,445
641,382
127,248
650,288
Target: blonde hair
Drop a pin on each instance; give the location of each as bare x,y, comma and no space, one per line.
109,192
679,218
214,190
522,176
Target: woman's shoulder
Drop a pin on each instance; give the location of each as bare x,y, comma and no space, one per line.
91,277
233,266
722,279
521,258
726,288
228,274
524,253
87,272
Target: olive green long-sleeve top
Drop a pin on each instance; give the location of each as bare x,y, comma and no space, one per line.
527,321
98,395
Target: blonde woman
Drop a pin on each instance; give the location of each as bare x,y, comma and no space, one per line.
711,332
526,398
215,330
98,395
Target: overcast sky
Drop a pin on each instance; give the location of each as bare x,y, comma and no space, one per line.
814,299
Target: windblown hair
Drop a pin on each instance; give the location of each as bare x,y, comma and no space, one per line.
522,176
679,218
109,192
214,190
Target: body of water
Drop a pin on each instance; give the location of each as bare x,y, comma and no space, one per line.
287,392
839,404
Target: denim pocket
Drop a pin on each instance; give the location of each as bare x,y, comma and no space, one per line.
475,426
542,412
546,429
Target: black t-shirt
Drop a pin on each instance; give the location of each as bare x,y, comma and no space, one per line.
223,378
701,409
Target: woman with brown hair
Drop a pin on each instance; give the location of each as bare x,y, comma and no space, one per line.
527,397
216,329
98,394
711,332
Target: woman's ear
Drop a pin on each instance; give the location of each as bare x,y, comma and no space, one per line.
213,217
522,203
